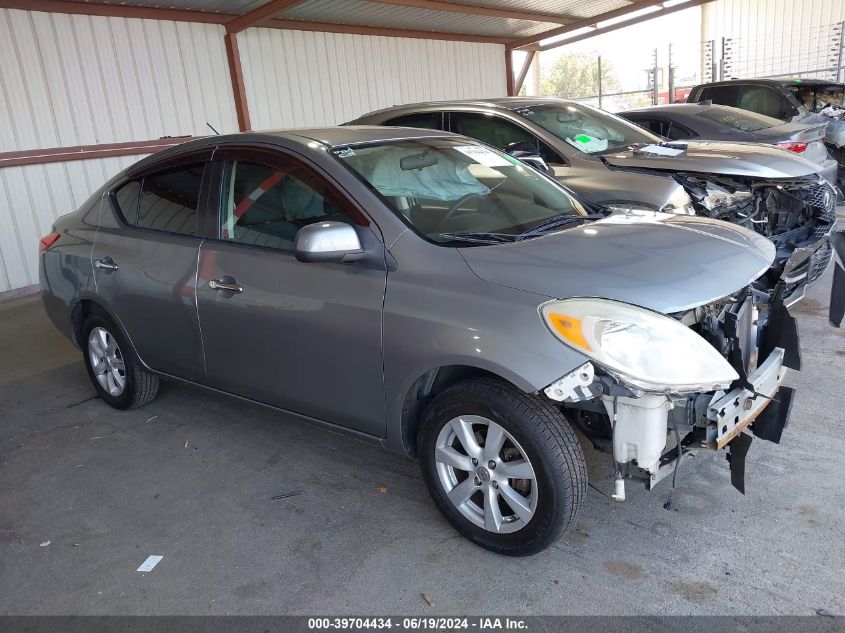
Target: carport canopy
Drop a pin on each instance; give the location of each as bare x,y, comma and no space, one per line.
524,25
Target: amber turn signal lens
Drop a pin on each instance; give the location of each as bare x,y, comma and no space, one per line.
569,328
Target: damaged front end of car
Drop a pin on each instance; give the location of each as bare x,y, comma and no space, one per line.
796,214
660,388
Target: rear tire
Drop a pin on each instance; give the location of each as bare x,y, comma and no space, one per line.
520,483
115,370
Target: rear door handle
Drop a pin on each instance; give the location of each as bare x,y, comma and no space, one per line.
226,284
106,263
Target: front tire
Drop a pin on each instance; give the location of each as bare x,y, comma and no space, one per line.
504,467
115,371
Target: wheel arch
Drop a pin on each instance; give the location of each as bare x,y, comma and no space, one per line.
426,387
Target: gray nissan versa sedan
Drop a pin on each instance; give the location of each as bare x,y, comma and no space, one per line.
611,162
424,291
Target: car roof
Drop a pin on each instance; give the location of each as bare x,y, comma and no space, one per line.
794,81
304,137
506,103
683,108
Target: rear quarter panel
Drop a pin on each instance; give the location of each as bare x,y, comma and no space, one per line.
66,272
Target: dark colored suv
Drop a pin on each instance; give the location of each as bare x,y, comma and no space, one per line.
779,98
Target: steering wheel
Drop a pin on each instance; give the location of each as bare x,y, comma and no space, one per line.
457,203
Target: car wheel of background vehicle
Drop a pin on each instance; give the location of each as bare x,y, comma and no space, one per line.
115,370
504,467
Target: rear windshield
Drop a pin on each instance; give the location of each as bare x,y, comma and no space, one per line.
815,98
740,119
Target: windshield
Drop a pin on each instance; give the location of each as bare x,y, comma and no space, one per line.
587,129
455,192
740,119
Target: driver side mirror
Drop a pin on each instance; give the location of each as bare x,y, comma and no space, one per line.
527,153
328,242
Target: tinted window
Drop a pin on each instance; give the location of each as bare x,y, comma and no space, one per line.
653,125
489,129
500,133
678,132
126,200
723,95
169,200
763,100
425,120
739,119
266,206
443,186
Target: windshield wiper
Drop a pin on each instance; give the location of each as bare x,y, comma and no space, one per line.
479,237
556,221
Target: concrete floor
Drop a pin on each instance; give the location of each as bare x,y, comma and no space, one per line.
87,493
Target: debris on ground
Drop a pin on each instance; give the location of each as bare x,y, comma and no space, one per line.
382,489
45,543
285,495
151,419
427,599
186,444
150,563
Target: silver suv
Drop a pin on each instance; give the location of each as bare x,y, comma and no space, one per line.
426,292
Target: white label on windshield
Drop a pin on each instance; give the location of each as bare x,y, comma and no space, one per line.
483,155
659,150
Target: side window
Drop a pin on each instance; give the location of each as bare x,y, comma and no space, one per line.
723,95
425,120
126,201
763,100
266,206
169,199
654,125
492,130
500,133
678,132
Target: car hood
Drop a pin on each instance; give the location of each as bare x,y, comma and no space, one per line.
659,261
717,157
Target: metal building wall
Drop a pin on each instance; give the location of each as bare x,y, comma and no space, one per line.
298,78
69,80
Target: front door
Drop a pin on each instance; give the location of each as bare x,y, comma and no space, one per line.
305,337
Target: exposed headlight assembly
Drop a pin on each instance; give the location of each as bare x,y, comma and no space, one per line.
643,349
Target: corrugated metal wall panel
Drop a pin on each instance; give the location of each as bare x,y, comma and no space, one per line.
72,80
80,80
299,78
32,197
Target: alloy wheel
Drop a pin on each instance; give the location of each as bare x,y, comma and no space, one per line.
107,362
486,474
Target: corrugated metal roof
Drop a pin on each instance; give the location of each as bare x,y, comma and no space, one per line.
397,16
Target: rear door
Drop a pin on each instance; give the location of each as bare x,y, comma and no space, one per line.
145,262
301,336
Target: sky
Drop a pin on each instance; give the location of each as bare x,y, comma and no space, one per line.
630,50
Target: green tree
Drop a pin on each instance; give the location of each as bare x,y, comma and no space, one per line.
576,75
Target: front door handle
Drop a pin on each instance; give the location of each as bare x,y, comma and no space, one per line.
226,284
106,263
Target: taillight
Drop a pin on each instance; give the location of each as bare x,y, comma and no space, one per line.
47,241
793,146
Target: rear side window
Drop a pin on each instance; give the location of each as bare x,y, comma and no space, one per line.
424,120
168,200
126,200
678,132
723,95
763,100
